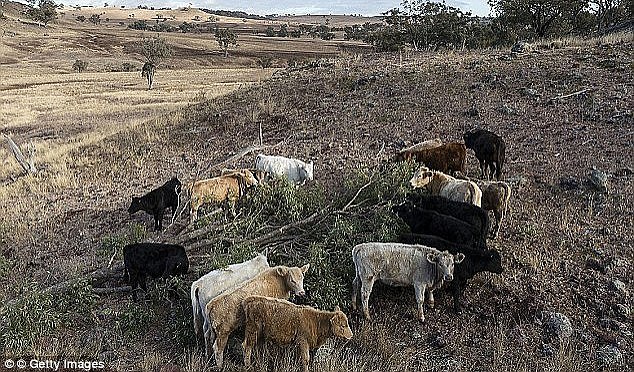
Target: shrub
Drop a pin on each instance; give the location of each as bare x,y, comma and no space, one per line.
127,67
38,314
80,65
265,62
81,18
113,244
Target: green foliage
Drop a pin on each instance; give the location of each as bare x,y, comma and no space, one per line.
80,65
134,320
138,25
95,19
37,314
45,12
127,67
225,38
155,49
113,244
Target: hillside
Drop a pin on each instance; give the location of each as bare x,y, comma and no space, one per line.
566,247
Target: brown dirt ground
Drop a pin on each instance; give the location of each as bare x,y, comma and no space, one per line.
561,247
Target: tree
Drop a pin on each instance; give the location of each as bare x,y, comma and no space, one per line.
45,12
610,12
539,18
155,50
95,19
80,65
225,39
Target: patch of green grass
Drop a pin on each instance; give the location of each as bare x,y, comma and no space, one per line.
113,244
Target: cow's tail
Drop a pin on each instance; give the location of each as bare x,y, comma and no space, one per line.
198,314
475,197
500,161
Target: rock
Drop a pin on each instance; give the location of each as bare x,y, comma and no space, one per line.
506,109
472,112
556,325
596,265
517,182
609,355
569,183
622,310
624,172
618,286
530,92
599,180
437,340
521,47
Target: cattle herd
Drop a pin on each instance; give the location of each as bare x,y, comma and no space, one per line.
449,227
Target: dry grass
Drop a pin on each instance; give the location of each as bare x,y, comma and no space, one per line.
578,41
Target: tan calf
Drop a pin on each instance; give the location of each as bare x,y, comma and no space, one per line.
495,197
225,312
229,187
452,188
284,323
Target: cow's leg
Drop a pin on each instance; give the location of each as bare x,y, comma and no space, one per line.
499,215
492,170
482,165
219,348
305,354
366,290
430,298
134,283
210,338
250,340
456,290
158,219
419,290
170,267
143,282
356,283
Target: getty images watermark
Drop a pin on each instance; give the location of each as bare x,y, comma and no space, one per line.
54,365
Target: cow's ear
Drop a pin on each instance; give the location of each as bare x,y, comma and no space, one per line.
458,258
282,270
432,257
305,268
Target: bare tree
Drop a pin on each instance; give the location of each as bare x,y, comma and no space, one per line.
155,50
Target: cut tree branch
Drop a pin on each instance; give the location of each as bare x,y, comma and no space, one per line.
28,164
571,94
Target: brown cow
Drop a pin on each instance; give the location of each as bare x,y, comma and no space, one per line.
446,158
229,187
225,312
284,323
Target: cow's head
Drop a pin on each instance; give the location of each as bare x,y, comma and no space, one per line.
135,206
493,261
422,177
339,325
294,278
403,210
175,184
248,178
444,262
470,137
307,171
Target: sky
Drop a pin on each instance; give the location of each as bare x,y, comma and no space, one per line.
365,7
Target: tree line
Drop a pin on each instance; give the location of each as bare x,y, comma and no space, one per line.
432,25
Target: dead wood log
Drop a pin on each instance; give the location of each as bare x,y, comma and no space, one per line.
26,162
93,276
105,291
245,151
571,94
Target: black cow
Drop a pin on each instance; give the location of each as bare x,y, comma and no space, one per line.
466,212
154,260
423,221
475,261
156,201
489,148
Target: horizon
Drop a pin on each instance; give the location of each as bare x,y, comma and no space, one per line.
285,7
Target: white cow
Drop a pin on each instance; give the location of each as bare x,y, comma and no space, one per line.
400,265
294,170
216,282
